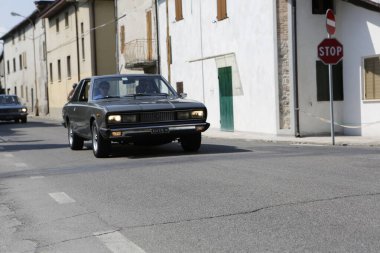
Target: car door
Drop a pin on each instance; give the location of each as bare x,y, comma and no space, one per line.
83,111
77,108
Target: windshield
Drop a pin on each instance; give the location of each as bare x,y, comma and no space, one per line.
8,100
134,86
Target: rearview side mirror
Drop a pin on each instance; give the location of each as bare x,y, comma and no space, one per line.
183,95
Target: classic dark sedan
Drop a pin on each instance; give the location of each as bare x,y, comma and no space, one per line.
132,109
12,109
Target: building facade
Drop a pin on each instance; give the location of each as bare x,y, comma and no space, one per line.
137,33
225,54
25,60
255,64
81,42
356,78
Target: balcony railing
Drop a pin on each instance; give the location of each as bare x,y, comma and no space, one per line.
140,53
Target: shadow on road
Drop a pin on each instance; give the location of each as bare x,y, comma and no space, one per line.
26,147
172,149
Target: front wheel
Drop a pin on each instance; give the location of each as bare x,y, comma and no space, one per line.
75,142
100,146
191,143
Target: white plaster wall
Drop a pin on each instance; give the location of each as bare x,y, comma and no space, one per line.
361,37
249,33
358,30
311,30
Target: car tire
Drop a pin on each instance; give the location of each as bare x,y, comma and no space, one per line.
75,142
23,120
191,143
100,146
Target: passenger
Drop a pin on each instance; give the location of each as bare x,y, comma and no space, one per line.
145,86
72,91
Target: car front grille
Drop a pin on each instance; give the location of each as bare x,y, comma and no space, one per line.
8,111
147,117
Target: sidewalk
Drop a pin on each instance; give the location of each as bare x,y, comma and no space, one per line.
315,140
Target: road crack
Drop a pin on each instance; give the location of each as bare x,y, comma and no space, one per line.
255,210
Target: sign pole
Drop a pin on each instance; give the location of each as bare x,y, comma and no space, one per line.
330,51
330,27
331,103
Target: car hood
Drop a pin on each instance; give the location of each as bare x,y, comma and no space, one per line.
148,104
11,106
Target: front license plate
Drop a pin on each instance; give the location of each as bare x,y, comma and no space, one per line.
163,130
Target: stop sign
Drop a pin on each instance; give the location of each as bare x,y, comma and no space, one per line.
330,51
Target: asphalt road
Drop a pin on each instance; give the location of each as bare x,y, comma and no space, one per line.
231,196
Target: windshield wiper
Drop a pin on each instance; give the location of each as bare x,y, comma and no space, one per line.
109,97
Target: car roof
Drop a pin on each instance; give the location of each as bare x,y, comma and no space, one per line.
6,95
125,75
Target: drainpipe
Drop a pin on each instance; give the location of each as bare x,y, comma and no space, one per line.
295,69
118,69
201,38
77,35
93,38
158,64
168,41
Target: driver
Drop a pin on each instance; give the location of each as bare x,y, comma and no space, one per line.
102,90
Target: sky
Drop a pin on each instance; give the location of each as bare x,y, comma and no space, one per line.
23,7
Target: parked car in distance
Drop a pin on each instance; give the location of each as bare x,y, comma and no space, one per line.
132,109
12,109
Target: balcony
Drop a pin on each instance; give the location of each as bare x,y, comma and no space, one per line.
140,53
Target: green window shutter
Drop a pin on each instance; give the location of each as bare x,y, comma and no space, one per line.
323,93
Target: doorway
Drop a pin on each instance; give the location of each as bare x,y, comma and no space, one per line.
226,99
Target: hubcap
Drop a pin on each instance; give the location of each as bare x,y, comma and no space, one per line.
94,138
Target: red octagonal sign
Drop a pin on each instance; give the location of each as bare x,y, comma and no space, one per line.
330,51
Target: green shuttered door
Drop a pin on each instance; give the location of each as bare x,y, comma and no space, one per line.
226,99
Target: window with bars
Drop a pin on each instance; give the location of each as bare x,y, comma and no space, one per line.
178,10
20,61
179,87
57,25
66,19
221,9
323,92
51,72
372,78
59,70
24,60
321,6
69,66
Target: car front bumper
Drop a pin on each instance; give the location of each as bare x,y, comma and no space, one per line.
12,116
166,130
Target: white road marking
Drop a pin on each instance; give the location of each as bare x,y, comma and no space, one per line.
307,144
117,243
61,197
21,165
8,155
37,177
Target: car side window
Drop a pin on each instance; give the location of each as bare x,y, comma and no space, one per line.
84,91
